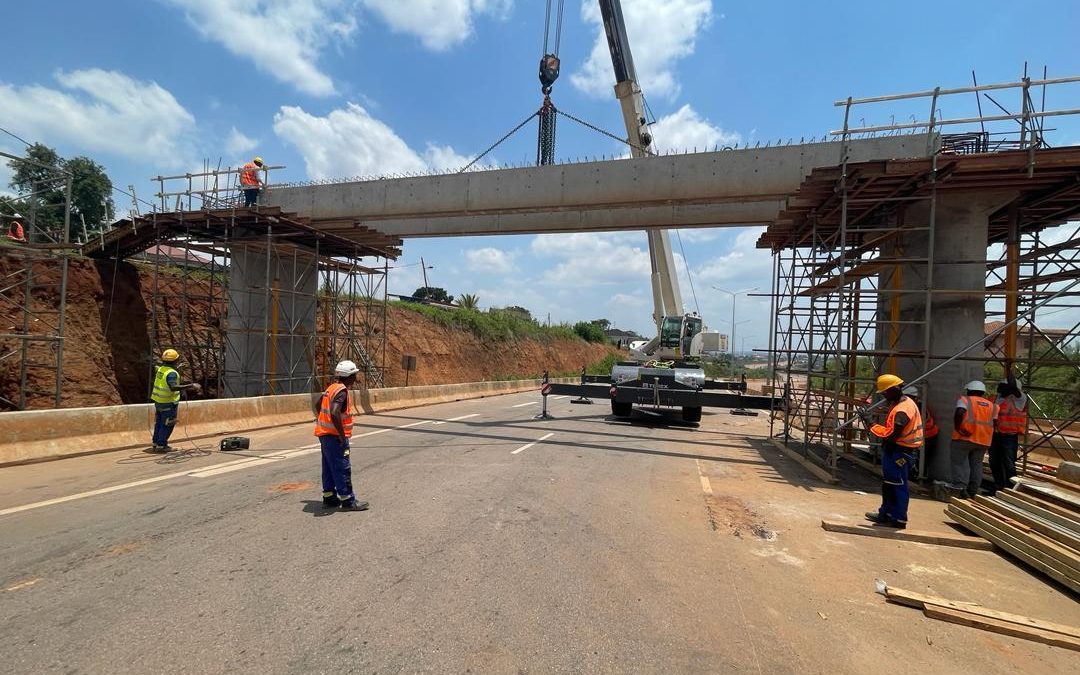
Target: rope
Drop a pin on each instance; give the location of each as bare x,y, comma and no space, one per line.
547,26
499,142
689,277
558,28
602,131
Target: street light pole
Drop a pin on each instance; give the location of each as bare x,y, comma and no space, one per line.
731,344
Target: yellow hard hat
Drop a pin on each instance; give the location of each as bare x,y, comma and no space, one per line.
886,382
258,160
170,355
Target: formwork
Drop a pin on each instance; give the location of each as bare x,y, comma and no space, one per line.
854,273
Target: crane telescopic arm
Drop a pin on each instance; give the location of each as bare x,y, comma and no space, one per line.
667,300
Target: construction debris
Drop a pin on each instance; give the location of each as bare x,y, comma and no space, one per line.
1037,522
923,537
966,614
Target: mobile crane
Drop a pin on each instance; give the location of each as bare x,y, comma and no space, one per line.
666,371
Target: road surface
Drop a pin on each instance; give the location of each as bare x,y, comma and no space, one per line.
495,543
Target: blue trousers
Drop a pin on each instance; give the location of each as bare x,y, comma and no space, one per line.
895,465
251,197
336,468
1003,452
164,422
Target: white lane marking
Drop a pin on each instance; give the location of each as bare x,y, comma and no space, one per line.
526,447
706,486
463,417
556,398
215,470
522,405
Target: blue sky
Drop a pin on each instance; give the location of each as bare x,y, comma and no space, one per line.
335,88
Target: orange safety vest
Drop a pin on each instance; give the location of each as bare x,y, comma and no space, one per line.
1011,420
979,419
250,175
324,424
932,428
911,436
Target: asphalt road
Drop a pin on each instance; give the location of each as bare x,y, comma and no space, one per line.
495,543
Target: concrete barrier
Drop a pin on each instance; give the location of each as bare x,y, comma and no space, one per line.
41,435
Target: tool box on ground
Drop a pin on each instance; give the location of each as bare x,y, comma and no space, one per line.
235,443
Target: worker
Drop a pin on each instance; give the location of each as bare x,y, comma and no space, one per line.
1011,423
166,398
15,230
930,432
333,426
973,432
901,436
250,181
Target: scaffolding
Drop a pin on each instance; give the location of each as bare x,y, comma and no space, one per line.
33,291
854,265
258,301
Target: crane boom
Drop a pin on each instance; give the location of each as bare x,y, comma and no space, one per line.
667,299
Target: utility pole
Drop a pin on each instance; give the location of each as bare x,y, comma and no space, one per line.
731,342
423,267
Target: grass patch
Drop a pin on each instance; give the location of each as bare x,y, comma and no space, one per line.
491,326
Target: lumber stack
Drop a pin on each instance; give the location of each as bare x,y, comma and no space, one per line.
1037,522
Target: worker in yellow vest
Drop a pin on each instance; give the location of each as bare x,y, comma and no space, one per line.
166,398
901,436
333,427
973,432
1012,417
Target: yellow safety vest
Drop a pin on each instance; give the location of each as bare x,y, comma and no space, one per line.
163,393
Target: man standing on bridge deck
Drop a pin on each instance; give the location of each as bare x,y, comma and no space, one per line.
334,426
973,433
250,182
166,398
901,436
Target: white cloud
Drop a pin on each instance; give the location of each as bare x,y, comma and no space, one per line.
744,264
593,258
282,38
102,111
374,149
489,261
238,144
685,129
439,25
660,34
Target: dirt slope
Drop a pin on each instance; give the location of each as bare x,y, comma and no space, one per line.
109,323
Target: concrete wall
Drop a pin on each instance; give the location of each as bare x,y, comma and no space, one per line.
279,299
957,310
732,187
38,435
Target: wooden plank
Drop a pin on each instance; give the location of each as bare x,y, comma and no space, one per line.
1044,510
1066,557
913,599
965,618
1058,534
920,536
1045,564
1038,624
1068,499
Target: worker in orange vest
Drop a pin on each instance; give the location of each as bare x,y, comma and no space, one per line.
15,230
250,182
973,432
930,432
333,427
901,436
1011,423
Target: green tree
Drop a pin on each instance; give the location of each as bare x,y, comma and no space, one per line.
433,293
589,331
519,312
469,301
603,324
42,179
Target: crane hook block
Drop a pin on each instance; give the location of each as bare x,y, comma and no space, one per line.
549,71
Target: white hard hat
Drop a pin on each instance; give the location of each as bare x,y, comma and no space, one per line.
975,385
17,215
346,368
911,391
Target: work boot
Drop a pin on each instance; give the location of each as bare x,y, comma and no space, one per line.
875,517
331,502
895,524
354,504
